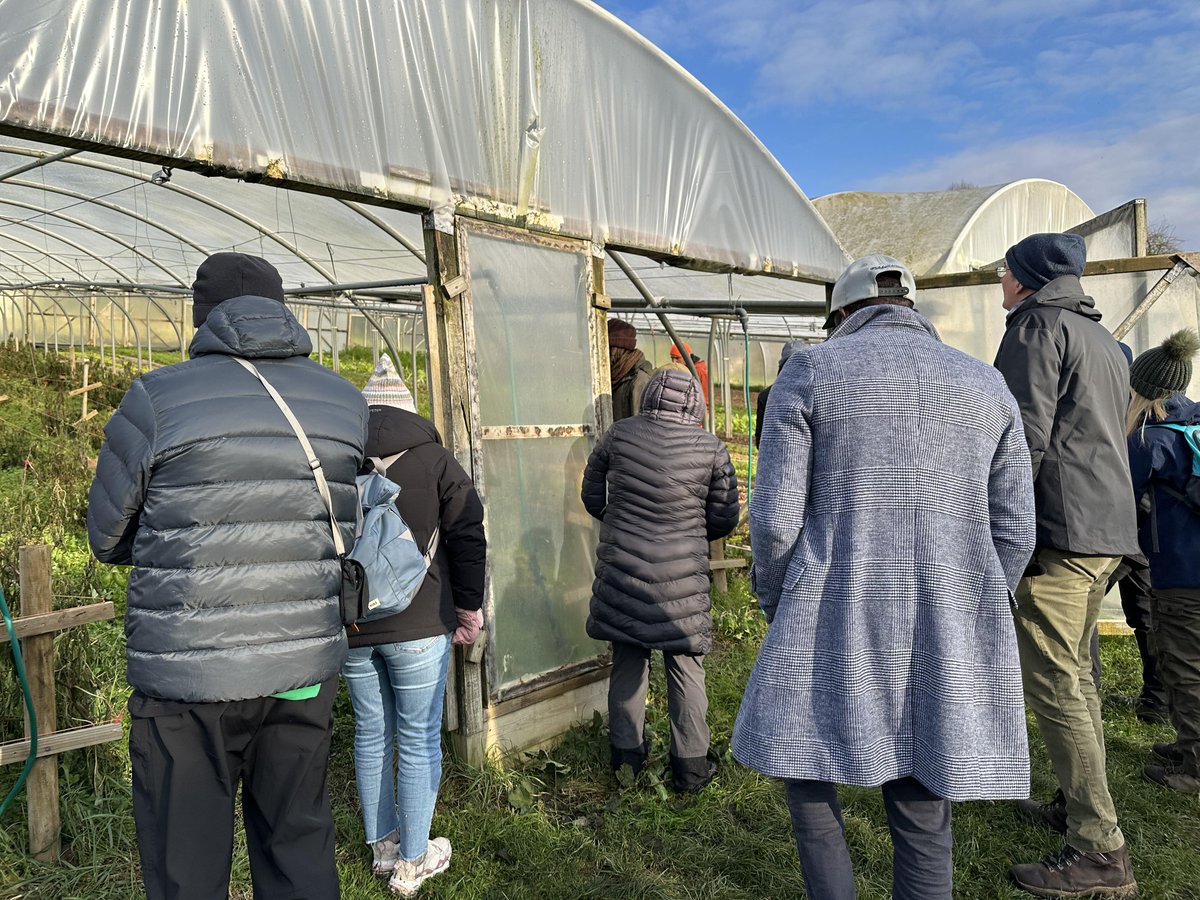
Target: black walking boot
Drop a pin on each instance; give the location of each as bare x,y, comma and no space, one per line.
635,759
1052,815
693,773
1168,752
1175,777
1075,873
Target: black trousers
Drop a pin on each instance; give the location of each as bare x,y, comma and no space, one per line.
1135,603
918,819
187,766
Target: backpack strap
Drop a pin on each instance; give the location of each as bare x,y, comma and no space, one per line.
381,466
1189,433
314,463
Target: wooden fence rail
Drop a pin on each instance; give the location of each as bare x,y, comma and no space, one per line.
35,628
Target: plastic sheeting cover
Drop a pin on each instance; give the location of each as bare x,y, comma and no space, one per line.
552,114
950,231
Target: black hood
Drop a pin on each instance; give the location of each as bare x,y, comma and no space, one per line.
253,328
391,430
1064,292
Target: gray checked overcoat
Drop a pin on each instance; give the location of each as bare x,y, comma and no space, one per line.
892,517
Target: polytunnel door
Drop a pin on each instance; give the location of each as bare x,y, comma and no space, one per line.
534,339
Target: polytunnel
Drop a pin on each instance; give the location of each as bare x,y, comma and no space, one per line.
479,164
956,230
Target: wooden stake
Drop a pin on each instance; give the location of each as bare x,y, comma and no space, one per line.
716,551
45,827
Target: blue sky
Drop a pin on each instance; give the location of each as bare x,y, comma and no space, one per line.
1103,96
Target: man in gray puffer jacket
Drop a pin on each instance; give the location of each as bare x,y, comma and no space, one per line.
233,626
663,488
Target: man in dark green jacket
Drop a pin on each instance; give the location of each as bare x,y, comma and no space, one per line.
1071,382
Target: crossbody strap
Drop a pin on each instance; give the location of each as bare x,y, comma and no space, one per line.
381,466
313,463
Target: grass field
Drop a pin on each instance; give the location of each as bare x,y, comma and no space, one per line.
556,826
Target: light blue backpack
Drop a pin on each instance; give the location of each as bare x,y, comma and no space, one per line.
386,547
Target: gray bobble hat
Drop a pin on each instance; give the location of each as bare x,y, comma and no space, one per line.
1162,371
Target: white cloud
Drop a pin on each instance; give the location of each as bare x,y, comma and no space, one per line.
1097,94
1159,162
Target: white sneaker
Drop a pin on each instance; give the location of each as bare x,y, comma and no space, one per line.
407,877
385,852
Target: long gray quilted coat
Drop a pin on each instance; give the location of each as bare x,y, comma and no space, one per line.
663,488
205,490
892,517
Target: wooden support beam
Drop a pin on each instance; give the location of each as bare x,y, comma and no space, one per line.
60,742
722,564
45,827
1150,299
59,620
447,332
1099,267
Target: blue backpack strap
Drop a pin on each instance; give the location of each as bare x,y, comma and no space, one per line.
1189,433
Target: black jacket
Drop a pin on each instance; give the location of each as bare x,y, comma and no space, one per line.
627,393
434,490
203,487
1071,382
663,488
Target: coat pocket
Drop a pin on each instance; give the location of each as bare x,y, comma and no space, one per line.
795,571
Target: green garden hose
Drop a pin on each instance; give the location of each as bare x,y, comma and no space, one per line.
19,664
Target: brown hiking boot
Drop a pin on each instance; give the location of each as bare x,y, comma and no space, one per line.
1074,873
1169,753
1174,777
1052,815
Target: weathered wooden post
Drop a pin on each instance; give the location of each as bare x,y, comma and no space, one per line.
45,841
35,628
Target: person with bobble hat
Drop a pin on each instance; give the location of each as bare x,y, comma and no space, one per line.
1164,458
396,671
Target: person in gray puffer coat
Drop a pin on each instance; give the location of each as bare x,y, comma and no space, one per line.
663,488
234,631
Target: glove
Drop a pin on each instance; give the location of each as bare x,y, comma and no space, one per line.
469,623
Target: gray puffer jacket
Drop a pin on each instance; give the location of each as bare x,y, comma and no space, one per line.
664,488
205,490
1071,381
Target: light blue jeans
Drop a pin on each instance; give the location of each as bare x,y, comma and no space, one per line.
396,691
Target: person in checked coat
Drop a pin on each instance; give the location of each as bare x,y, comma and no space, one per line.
663,488
891,520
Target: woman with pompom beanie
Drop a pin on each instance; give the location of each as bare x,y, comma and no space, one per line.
1163,428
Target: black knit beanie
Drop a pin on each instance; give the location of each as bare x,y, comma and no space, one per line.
224,276
1162,371
1040,258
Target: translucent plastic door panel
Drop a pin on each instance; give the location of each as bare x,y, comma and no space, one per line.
533,336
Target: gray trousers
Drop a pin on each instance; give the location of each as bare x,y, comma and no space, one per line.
687,701
919,821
